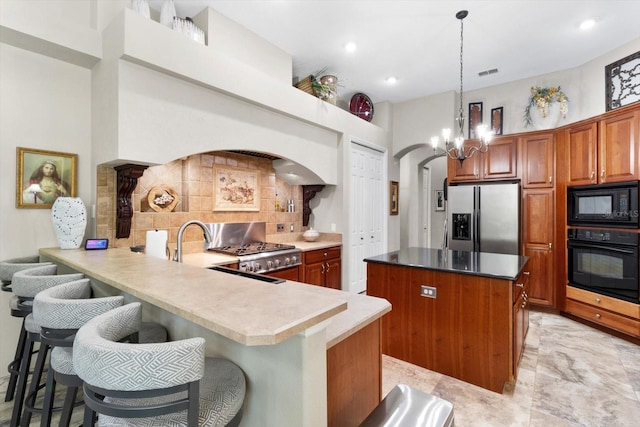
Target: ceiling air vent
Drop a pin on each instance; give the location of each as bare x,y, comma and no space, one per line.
487,72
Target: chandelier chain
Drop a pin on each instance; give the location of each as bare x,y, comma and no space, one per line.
460,109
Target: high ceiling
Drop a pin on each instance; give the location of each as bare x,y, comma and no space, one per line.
418,41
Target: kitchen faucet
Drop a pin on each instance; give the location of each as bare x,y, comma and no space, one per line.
177,255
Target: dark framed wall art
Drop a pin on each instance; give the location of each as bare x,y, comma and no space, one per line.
622,82
475,118
393,198
496,120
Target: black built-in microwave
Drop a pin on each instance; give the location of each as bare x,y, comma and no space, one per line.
610,205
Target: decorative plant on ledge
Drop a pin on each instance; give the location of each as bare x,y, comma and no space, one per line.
325,86
541,98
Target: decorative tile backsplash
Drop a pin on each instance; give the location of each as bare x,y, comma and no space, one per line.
191,180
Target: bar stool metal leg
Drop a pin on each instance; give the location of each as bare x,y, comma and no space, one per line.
34,386
14,366
23,375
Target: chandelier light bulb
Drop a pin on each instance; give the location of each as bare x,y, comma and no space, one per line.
446,134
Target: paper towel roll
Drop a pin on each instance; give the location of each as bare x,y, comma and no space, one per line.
156,244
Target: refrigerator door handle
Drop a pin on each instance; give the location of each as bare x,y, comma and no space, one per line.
476,219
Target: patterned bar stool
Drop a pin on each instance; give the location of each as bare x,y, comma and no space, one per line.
8,268
152,384
61,311
25,285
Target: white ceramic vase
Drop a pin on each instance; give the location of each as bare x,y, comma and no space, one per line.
141,7
550,121
69,216
167,13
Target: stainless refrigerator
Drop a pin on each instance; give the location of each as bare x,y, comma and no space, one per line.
484,218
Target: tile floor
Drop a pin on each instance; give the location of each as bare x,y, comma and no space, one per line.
570,375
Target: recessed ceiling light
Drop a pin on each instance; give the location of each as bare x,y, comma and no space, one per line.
587,24
392,80
350,47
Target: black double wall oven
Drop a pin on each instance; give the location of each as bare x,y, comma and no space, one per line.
604,260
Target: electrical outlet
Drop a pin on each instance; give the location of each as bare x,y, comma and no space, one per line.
428,291
291,228
280,228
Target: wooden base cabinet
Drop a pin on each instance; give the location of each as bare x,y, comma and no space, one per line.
537,243
520,318
469,330
354,377
323,267
613,313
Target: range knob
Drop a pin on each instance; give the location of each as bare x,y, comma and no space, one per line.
269,265
287,261
277,262
294,259
256,267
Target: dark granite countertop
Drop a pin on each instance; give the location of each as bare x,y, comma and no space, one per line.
502,266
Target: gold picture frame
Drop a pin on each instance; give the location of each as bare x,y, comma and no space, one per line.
393,198
236,189
42,176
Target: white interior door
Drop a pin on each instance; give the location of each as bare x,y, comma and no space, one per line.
426,208
368,196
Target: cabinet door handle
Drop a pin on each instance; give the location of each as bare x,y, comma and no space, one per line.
591,175
322,269
602,173
598,316
550,179
598,300
526,273
550,246
327,264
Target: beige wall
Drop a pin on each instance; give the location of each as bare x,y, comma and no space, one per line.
44,104
192,180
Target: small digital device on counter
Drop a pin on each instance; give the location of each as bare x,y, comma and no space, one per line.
96,244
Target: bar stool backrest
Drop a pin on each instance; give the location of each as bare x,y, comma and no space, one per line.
70,306
9,267
27,283
101,361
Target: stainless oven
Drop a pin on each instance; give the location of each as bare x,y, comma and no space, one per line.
604,262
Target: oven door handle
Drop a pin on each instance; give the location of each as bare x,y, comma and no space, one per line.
617,249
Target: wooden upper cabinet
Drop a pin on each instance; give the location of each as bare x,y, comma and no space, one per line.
582,142
469,170
498,163
538,160
618,147
605,150
500,160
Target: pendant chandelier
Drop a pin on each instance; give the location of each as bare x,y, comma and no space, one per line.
457,149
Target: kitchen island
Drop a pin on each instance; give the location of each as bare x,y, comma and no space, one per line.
281,335
463,314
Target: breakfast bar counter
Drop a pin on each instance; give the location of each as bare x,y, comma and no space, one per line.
281,335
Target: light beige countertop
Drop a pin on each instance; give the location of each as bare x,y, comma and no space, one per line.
247,311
